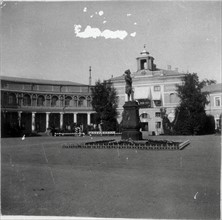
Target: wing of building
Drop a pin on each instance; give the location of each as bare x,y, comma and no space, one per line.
154,89
214,106
36,105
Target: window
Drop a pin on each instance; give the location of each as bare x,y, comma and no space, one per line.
67,101
144,103
144,115
54,101
171,97
156,88
26,100
157,114
11,99
217,101
158,124
40,100
4,100
174,98
82,102
4,85
157,102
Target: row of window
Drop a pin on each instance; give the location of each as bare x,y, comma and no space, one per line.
53,102
42,87
145,126
146,103
145,115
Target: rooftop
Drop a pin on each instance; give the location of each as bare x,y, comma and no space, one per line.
40,81
213,88
156,73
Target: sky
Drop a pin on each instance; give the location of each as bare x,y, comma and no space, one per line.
60,40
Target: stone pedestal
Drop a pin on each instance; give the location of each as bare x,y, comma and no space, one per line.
131,121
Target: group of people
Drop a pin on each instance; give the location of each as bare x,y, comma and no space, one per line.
78,129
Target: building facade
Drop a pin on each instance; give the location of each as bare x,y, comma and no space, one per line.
214,106
153,89
36,105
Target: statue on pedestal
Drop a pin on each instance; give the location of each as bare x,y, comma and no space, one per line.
128,87
130,117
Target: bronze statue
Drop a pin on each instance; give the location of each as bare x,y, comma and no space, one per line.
128,88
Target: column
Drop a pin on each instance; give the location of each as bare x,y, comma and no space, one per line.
62,101
19,118
33,121
61,120
20,102
88,118
75,118
47,120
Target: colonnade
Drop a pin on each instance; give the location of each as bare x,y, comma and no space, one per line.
33,119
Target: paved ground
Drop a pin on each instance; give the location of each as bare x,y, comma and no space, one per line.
39,177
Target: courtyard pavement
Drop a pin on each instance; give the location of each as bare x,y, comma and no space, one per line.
41,178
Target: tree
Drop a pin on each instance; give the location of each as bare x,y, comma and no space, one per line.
104,102
191,111
167,125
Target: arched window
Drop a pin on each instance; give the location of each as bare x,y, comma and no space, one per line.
54,101
67,101
4,99
82,102
40,100
174,98
171,97
26,100
12,99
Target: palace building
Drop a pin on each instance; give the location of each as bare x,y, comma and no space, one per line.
36,105
153,89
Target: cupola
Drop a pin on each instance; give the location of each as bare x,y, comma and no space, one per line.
145,61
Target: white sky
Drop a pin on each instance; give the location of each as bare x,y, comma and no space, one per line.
60,40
